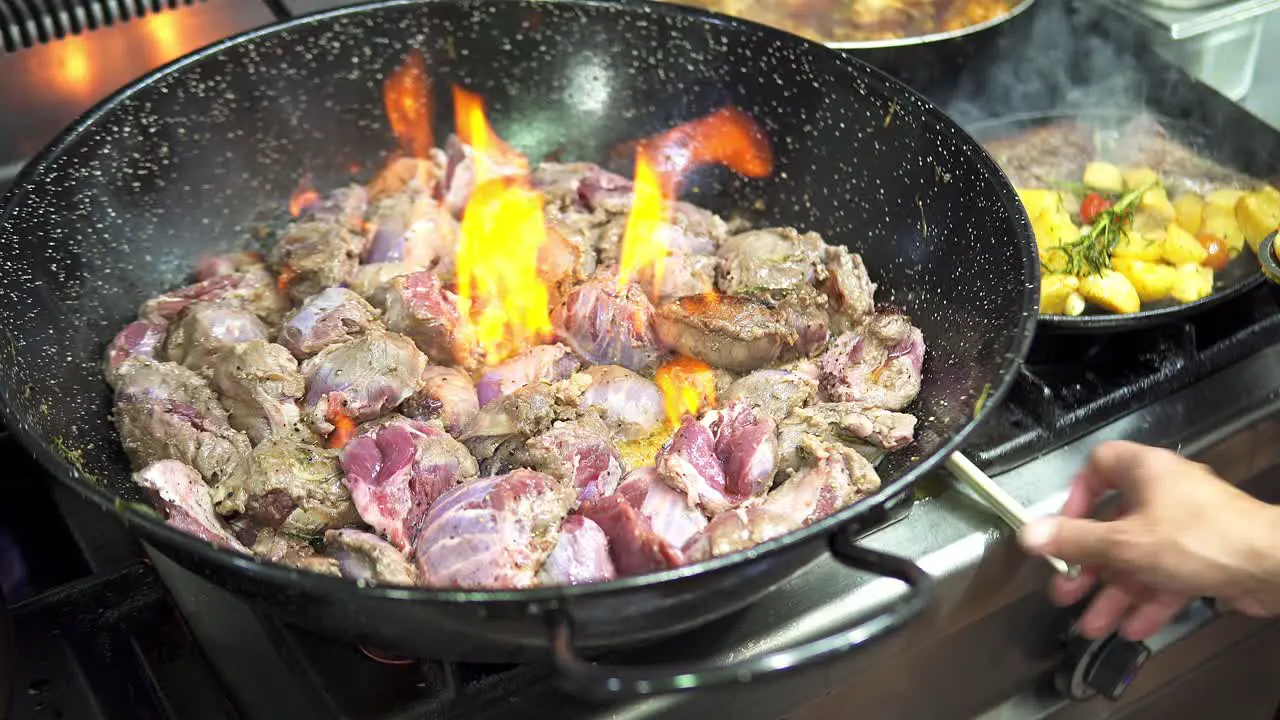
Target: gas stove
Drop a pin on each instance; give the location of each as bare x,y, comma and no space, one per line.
106,628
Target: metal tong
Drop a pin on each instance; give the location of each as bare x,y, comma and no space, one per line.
1009,510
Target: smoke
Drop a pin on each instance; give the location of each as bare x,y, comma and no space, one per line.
1058,56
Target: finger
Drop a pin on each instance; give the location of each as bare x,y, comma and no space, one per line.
1082,542
1123,466
1105,612
1147,619
1064,591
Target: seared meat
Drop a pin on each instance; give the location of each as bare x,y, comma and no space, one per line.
747,446
460,172
142,339
691,231
311,256
259,385
805,311
608,327
849,289
770,259
667,510
291,550
631,405
775,393
396,470
418,306
1044,156
543,363
574,183
724,331
579,453
566,258
361,378
1144,142
255,288
289,486
367,558
410,175
412,228
205,330
877,366
524,413
493,533
445,393
688,463
738,529
345,206
633,545
681,275
179,492
581,555
335,315
870,431
211,266
165,411
373,282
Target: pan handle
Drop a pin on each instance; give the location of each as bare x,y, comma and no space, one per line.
601,681
1267,257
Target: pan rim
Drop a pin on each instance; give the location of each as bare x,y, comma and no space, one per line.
148,526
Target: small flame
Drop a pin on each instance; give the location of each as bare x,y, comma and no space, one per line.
727,137
406,95
303,197
502,230
687,386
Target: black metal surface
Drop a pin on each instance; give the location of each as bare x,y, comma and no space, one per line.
117,209
1270,265
1239,276
7,652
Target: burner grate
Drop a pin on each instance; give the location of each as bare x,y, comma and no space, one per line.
28,23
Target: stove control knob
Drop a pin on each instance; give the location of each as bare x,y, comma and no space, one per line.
1099,667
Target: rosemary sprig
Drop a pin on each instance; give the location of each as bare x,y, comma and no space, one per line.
1090,254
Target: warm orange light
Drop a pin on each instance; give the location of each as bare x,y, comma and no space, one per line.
406,95
687,386
303,196
502,229
727,137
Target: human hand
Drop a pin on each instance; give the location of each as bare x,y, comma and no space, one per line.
1182,532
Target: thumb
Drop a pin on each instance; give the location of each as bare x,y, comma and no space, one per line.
1081,542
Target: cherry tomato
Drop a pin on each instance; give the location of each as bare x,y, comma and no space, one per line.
1219,253
1092,206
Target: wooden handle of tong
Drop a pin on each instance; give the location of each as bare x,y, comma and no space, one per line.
1009,510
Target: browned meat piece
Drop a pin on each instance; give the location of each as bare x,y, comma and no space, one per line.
581,555
1144,142
165,411
681,275
567,257
776,393
361,379
419,307
260,386
576,183
494,533
311,256
723,330
345,206
804,310
255,288
631,405
286,549
445,393
367,558
879,365
372,282
205,330
634,547
738,529
579,453
691,231
333,316
397,469
849,289
423,176
460,172
415,229
211,266
608,327
770,259
870,431
529,411
542,363
1045,156
143,339
288,486
178,491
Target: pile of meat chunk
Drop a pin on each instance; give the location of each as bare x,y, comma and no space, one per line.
324,406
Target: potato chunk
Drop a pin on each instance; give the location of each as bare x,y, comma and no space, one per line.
1220,221
1103,177
1135,178
1112,291
1055,289
1153,280
1189,211
1258,215
1181,247
1194,282
1139,246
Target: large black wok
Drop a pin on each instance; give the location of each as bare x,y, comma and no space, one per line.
190,158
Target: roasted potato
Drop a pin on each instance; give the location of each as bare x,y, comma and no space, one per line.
1052,229
1140,247
1194,283
1224,198
1103,177
1181,247
1055,288
1075,304
1135,178
1038,202
1258,215
1189,211
1220,221
1153,280
1112,291
1154,212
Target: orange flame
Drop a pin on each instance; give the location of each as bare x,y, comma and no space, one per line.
406,95
502,229
303,197
727,137
687,386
